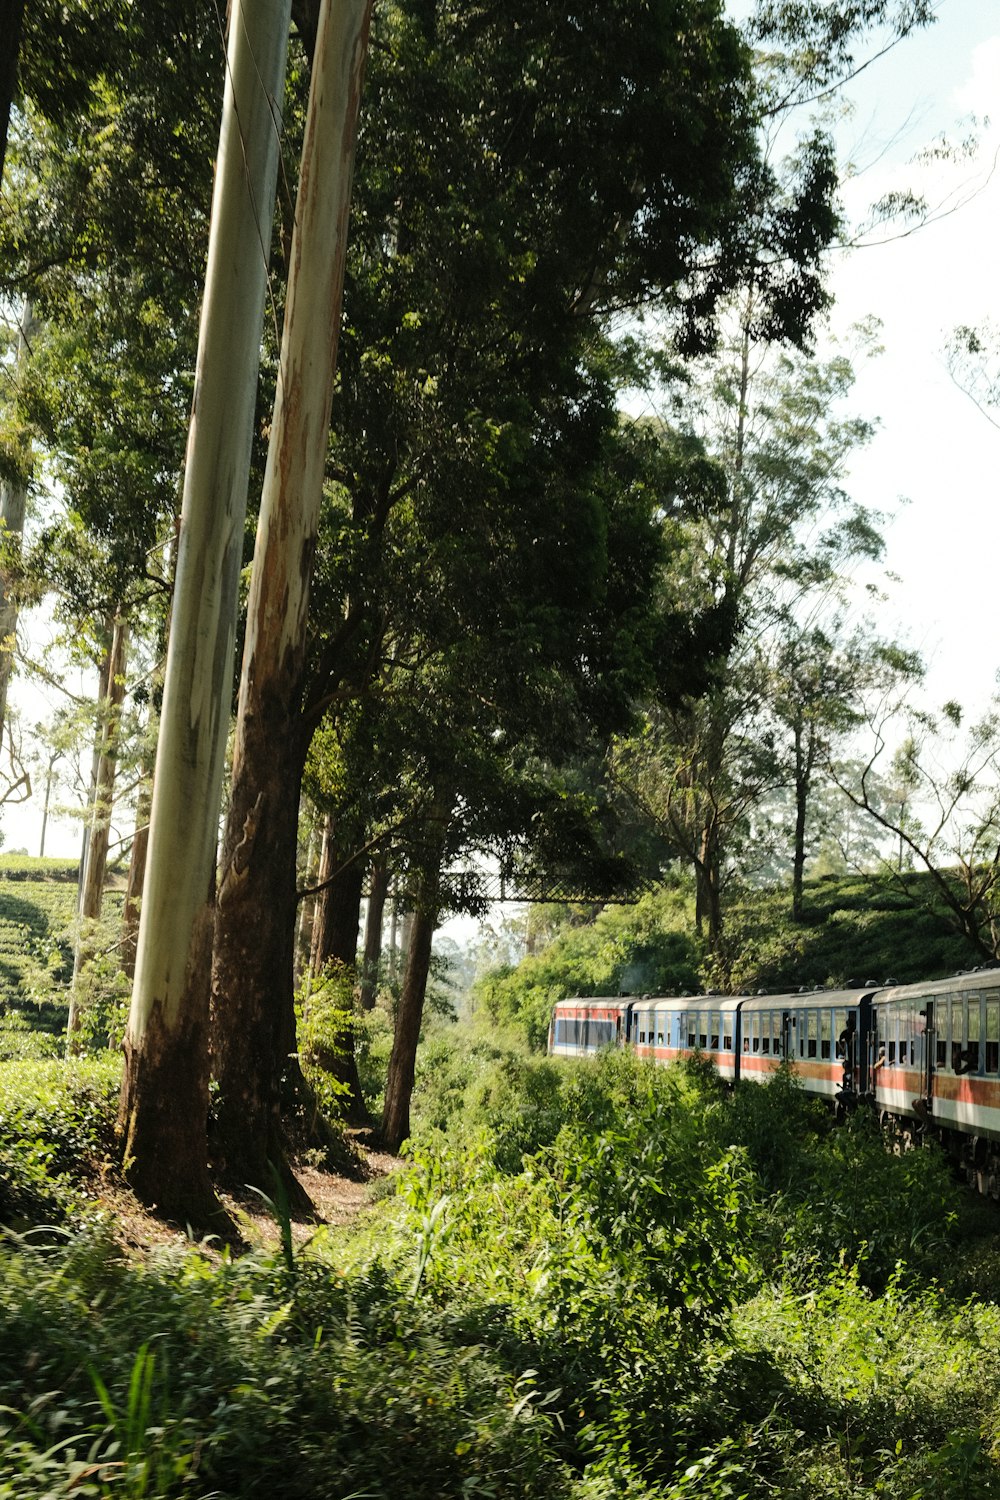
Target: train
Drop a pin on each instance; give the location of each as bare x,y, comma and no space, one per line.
925,1056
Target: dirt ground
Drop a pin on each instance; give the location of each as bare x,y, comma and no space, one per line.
336,1199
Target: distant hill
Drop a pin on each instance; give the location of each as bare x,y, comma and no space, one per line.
855,927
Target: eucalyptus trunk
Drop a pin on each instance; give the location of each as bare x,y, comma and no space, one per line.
802,779
13,501
95,860
307,911
164,1106
136,878
409,1015
338,918
253,1016
377,892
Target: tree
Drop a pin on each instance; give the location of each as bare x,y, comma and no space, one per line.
466,370
940,806
94,864
164,1106
15,473
251,936
821,681
974,365
771,545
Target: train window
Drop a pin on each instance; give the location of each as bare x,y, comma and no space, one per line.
891,1056
826,1028
642,1038
943,1024
765,1033
727,1043
812,1019
992,1059
839,1028
754,1023
972,1051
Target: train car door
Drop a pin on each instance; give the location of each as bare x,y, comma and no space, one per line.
930,1050
867,1046
788,1020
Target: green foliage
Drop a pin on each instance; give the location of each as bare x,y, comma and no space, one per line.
674,1295
325,1017
838,1194
56,1131
37,926
647,948
16,866
853,928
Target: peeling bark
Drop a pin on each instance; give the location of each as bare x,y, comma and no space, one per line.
165,1091
253,1018
163,1112
253,1013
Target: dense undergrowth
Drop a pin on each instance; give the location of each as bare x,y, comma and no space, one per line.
591,1280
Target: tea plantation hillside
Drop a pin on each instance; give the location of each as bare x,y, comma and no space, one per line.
37,915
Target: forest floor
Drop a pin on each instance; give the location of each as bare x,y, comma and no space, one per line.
337,1199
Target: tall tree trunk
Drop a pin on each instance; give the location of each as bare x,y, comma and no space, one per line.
307,908
252,1003
253,1011
13,500
136,877
95,861
402,1060
378,889
49,773
805,761
338,917
164,1106
394,936
11,17
326,866
799,854
337,921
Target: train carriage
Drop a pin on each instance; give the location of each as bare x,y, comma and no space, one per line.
824,1034
938,1053
926,1055
583,1026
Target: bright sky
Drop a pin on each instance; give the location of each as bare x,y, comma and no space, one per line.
933,449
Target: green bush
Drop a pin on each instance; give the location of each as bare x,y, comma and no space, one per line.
56,1130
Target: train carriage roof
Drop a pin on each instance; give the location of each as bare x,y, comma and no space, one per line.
810,1000
975,979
